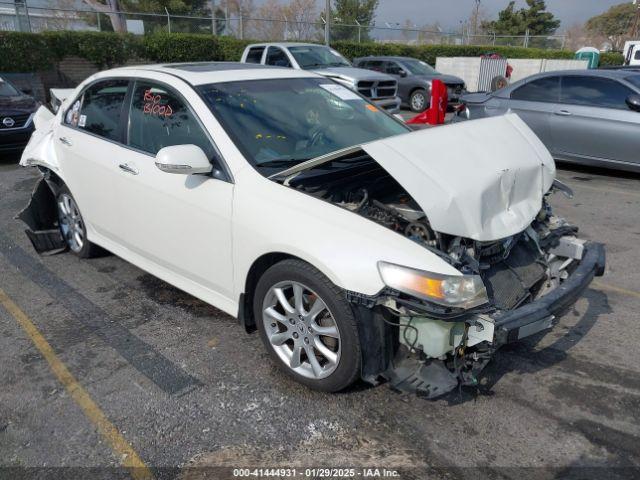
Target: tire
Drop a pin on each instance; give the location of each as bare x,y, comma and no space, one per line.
72,225
419,101
315,343
498,83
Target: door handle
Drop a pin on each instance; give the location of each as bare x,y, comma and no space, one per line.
129,169
65,141
563,113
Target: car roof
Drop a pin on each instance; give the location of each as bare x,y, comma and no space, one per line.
586,73
200,73
386,57
285,44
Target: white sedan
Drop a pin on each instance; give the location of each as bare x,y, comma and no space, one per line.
357,248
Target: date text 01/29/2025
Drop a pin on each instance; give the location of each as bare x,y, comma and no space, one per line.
316,472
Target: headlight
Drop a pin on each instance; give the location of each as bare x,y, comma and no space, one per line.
461,291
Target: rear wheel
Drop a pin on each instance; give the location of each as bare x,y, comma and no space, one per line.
307,326
72,225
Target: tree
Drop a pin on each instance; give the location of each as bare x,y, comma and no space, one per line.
614,24
535,19
348,12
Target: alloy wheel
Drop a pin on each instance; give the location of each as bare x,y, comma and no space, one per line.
417,101
301,329
71,223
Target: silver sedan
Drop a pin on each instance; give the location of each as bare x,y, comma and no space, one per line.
590,117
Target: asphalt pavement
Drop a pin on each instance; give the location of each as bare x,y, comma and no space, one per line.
102,364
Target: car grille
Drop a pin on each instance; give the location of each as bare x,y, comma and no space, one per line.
378,89
454,89
19,120
510,280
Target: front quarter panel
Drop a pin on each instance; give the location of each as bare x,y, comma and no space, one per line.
272,218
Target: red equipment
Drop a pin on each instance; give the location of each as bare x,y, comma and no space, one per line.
436,112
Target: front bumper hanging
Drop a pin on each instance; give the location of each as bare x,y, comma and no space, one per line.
538,315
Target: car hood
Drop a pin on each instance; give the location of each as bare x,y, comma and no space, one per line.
18,102
483,180
448,79
352,73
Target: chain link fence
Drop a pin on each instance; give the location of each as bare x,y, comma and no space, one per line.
20,17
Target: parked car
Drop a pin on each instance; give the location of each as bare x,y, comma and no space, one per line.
310,214
380,88
583,116
414,79
16,114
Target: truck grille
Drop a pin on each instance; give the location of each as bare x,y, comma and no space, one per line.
378,89
13,121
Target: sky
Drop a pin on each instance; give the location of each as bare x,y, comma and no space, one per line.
449,13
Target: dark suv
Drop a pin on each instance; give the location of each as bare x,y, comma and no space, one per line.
414,79
16,117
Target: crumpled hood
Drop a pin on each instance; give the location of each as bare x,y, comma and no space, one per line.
354,73
483,179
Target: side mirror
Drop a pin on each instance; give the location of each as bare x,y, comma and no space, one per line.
633,102
402,73
27,91
183,159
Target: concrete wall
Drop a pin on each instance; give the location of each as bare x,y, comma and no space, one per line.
468,68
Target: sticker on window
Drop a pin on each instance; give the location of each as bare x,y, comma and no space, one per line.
152,105
83,121
72,114
340,92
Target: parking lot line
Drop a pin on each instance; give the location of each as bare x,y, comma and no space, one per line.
611,288
130,459
601,190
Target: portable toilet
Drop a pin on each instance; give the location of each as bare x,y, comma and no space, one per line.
592,55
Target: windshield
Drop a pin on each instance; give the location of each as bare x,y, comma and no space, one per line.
317,56
7,90
634,80
417,67
278,123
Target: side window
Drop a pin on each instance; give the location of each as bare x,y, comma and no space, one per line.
594,92
159,118
392,68
277,57
99,109
545,89
254,55
376,65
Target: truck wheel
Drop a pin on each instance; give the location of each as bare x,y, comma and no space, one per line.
72,225
418,101
307,326
499,82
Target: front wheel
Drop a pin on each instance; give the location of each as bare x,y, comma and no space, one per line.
418,100
307,326
72,225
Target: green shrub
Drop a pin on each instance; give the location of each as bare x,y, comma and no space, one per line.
24,52
611,58
30,52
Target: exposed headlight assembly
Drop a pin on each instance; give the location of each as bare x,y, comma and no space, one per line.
459,291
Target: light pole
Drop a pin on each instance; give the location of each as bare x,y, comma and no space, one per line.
475,18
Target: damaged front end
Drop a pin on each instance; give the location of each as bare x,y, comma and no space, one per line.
488,217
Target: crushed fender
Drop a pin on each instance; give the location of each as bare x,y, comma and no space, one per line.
41,218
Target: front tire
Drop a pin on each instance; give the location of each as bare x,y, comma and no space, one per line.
72,225
418,101
307,326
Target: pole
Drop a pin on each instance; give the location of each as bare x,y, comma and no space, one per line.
241,26
98,21
327,28
168,19
358,23
213,17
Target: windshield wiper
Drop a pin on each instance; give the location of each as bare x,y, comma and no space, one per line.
283,162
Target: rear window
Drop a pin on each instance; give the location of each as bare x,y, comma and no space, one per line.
545,89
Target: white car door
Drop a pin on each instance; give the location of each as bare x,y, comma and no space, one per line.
89,149
178,225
